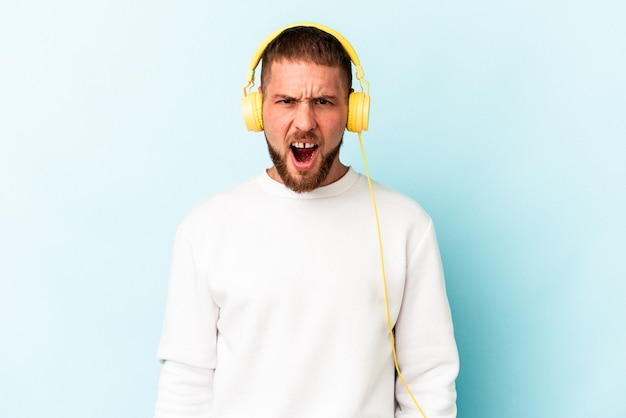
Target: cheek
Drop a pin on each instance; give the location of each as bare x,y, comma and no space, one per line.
337,125
273,122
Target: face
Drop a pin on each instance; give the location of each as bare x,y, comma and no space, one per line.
305,110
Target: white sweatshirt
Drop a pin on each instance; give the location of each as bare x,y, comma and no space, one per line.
276,307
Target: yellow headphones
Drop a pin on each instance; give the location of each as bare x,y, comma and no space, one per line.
358,102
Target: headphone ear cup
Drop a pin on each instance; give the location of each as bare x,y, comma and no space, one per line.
358,112
252,106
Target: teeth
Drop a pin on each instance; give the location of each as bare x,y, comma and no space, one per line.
302,145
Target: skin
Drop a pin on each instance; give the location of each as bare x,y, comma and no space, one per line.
305,103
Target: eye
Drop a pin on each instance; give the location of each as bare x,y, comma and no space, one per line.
322,102
286,101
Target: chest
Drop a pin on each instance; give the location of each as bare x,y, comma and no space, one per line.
294,260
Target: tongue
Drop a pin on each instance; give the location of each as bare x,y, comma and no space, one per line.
303,154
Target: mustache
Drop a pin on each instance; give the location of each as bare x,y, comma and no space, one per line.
309,136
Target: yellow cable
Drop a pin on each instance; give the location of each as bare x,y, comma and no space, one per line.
382,263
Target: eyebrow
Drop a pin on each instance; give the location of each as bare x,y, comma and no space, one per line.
322,96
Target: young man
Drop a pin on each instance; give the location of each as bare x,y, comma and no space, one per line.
276,305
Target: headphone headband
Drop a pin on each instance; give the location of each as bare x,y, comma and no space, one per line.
256,58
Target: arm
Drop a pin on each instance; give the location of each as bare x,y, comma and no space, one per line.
425,345
184,391
188,341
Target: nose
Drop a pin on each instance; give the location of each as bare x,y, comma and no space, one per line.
304,118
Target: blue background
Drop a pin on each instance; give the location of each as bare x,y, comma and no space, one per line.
505,120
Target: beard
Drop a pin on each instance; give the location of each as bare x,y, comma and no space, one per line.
303,183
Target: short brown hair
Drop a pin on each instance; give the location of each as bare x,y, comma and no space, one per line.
309,44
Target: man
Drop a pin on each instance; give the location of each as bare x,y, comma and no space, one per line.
276,305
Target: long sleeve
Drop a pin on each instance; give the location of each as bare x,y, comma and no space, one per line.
184,391
188,342
426,349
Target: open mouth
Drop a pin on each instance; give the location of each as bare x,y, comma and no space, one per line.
303,152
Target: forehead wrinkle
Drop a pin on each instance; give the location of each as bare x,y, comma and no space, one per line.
315,86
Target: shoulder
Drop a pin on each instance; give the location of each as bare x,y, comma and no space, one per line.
403,221
394,204
217,206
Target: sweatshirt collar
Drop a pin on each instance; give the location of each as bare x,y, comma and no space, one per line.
273,187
